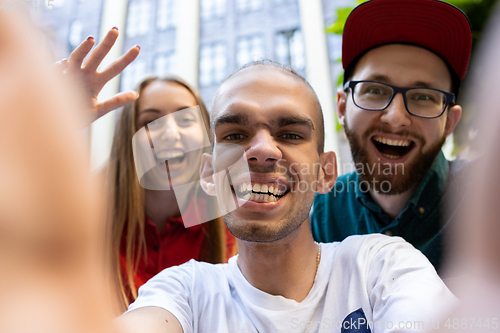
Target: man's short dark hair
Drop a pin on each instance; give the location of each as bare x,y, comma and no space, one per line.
286,70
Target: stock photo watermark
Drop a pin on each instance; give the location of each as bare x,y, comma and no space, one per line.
385,170
415,325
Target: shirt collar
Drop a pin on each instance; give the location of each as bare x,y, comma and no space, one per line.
428,192
363,196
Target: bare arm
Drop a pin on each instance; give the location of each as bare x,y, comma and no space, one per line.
148,320
52,238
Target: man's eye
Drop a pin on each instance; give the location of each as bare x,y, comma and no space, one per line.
290,136
423,98
232,137
375,91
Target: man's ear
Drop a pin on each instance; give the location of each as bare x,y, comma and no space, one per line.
327,173
341,103
454,115
207,174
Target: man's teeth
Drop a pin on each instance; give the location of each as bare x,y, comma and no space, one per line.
392,157
260,197
389,142
264,192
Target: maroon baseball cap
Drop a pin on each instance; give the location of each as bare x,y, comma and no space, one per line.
434,25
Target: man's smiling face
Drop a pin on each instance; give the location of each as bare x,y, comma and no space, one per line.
403,145
274,117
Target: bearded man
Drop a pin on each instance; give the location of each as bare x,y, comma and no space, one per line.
403,62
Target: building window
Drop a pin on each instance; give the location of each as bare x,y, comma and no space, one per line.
248,5
133,74
290,49
75,33
166,14
165,63
213,63
249,49
211,9
138,18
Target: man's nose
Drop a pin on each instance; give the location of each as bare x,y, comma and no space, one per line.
396,115
263,149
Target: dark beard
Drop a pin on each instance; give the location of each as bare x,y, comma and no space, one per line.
395,179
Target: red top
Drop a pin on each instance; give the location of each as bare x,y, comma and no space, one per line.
174,245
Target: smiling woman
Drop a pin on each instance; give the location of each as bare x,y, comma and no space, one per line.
148,233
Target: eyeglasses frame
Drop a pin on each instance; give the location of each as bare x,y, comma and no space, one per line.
450,97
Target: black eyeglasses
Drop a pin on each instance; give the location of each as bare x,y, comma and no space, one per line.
420,102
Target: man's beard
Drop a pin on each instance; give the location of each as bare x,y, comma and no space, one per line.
391,179
273,230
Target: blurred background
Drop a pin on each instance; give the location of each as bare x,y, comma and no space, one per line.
203,41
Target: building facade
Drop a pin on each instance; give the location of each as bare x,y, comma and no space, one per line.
229,33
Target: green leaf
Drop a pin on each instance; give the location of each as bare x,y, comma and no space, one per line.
459,3
340,79
338,26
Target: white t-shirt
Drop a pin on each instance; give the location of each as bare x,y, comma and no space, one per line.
393,283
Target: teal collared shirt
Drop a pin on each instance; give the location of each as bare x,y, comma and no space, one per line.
348,209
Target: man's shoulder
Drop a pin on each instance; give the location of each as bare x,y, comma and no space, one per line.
191,272
200,266
190,280
363,245
375,250
371,242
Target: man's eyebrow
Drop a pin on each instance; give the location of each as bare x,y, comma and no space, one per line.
378,77
238,119
422,84
385,79
294,120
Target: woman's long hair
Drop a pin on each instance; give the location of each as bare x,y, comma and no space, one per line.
126,218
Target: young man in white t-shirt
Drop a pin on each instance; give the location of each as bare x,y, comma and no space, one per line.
282,281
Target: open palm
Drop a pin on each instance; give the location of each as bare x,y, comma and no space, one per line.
92,80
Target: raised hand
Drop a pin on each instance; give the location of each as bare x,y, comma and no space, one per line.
92,80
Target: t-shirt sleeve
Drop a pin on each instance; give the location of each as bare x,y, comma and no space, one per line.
170,290
404,288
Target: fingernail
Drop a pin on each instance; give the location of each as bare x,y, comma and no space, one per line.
64,61
115,28
138,47
90,37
